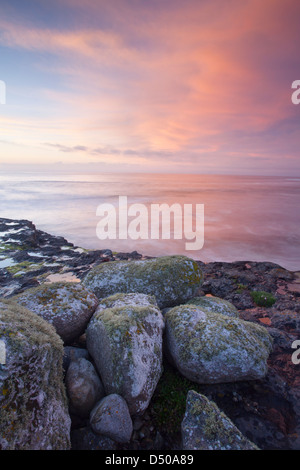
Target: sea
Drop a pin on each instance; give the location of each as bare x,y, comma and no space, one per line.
244,218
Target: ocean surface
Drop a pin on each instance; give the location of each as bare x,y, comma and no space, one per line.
245,217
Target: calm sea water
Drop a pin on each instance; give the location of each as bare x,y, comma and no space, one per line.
245,217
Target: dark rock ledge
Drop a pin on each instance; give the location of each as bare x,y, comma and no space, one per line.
266,411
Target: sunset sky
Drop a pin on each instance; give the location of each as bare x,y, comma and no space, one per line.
193,86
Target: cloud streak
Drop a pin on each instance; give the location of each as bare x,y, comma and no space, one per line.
173,81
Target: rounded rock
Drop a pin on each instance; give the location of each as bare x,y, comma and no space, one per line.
210,347
84,387
171,279
33,405
111,418
68,306
124,339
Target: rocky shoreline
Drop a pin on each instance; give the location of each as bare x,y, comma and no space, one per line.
257,409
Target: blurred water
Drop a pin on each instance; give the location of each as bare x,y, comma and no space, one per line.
246,217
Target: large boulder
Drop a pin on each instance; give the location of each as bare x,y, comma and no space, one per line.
215,305
209,347
171,279
124,338
33,405
205,427
68,306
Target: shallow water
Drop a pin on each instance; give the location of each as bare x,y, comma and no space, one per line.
245,217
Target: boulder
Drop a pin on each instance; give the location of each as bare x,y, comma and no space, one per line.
124,338
86,439
33,405
205,427
84,388
111,418
171,279
215,305
68,306
209,347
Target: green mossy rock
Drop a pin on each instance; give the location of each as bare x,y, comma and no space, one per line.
171,279
215,305
205,427
124,338
33,405
209,347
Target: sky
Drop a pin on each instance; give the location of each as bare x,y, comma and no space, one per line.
193,86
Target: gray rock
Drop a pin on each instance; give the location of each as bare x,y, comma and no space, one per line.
84,388
71,353
213,348
124,338
111,418
171,279
205,427
215,305
34,411
68,306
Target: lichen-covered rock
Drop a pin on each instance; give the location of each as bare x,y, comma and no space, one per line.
68,306
205,427
215,305
124,338
33,405
111,418
171,279
84,388
210,347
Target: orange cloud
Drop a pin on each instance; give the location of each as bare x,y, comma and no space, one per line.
200,78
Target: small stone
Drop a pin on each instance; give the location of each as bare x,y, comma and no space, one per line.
71,353
67,306
111,418
85,439
124,338
84,387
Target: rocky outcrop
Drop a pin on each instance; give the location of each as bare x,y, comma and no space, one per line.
205,427
209,347
171,279
29,257
33,406
67,306
124,338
